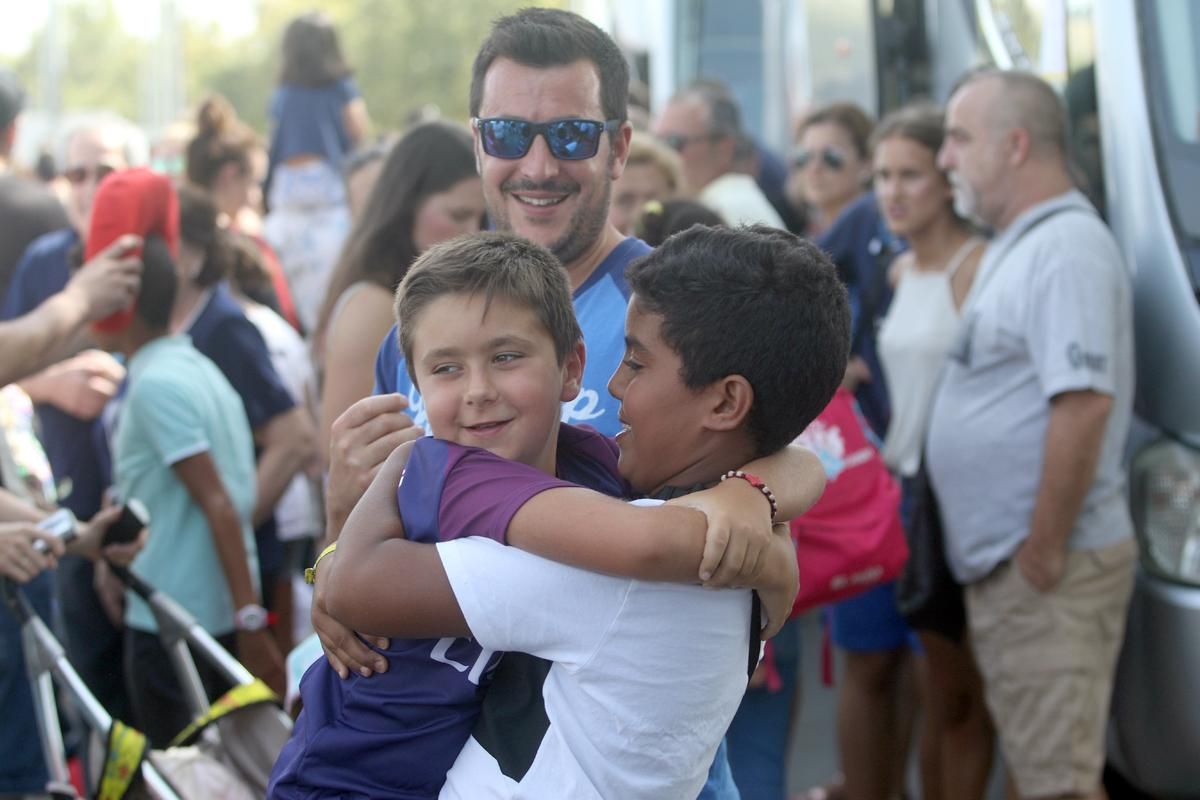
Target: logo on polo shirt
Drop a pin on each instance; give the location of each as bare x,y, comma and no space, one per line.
1077,357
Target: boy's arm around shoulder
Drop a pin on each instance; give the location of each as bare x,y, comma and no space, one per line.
739,535
377,581
671,542
587,529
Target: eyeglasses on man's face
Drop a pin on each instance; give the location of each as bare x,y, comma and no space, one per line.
567,139
679,141
80,174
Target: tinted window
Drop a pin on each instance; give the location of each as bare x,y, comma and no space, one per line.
1172,34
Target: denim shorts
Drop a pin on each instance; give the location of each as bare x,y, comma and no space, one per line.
870,622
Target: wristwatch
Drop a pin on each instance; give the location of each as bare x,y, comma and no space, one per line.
250,618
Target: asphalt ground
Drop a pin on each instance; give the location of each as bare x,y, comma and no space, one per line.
813,756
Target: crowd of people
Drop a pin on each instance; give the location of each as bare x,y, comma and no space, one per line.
310,352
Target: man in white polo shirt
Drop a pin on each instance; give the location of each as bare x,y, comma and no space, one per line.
1027,432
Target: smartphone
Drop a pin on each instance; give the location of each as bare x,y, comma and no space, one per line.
128,525
61,524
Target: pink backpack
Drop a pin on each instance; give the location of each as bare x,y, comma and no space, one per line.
852,539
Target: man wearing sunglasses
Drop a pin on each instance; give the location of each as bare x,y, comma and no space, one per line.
551,136
703,124
71,394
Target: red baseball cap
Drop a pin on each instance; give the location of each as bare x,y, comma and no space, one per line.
131,201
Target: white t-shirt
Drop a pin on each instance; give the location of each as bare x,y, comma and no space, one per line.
646,679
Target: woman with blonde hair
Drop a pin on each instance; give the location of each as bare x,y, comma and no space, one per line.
652,172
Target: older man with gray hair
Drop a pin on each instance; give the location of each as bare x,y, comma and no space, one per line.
702,122
1026,436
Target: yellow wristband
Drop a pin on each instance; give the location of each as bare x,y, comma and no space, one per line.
310,574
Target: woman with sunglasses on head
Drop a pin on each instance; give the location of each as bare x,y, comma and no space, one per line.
831,163
930,283
317,118
427,191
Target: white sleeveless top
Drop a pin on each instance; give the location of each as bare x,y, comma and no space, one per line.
913,342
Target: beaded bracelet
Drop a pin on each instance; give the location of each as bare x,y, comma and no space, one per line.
757,483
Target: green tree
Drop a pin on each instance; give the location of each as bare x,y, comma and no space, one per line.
103,62
405,53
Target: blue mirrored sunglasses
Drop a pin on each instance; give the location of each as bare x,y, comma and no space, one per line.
568,139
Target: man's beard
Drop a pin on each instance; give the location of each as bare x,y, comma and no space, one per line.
966,199
585,228
586,224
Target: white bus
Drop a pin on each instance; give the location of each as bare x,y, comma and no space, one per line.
1130,75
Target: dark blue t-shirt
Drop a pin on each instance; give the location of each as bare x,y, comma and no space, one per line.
396,734
600,307
856,243
69,442
222,332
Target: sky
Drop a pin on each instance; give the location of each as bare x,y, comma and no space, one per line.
23,19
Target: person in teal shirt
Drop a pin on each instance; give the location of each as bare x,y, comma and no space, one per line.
182,446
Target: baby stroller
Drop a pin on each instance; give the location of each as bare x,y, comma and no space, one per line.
227,751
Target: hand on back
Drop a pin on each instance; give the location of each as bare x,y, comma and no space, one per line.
360,440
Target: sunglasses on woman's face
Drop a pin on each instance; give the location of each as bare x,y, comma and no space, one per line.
831,157
568,139
78,175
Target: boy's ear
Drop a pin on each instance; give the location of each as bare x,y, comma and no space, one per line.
732,397
573,373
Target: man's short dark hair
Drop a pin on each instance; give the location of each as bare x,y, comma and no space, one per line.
156,295
490,264
757,302
549,37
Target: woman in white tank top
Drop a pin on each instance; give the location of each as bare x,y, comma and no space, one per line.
931,281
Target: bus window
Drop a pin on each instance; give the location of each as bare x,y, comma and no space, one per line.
1172,31
1079,97
1054,38
1014,26
1083,132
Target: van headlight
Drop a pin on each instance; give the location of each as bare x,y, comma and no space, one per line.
1164,485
